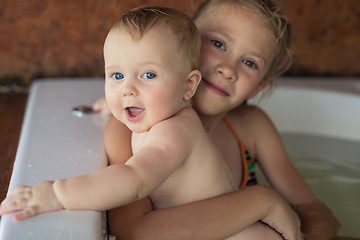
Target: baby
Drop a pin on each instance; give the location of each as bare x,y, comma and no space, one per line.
151,59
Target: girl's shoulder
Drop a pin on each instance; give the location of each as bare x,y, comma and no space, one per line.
249,115
252,122
254,127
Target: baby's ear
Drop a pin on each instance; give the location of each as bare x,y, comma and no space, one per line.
192,82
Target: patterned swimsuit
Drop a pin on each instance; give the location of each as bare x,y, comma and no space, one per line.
249,177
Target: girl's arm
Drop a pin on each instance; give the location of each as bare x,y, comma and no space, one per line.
317,220
271,155
215,218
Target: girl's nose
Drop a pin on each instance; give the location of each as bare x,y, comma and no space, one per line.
227,70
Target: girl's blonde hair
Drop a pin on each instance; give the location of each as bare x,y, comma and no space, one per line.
140,20
278,23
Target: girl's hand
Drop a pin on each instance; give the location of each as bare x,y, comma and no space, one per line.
283,219
30,201
317,221
101,106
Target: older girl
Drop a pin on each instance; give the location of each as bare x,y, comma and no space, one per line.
245,46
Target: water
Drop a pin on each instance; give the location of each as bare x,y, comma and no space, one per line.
332,168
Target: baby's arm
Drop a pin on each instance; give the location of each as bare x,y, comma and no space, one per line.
102,190
119,184
112,186
118,144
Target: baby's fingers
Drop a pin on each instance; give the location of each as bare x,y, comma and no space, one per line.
26,213
18,199
101,106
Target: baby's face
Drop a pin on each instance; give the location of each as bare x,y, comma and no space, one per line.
144,79
237,50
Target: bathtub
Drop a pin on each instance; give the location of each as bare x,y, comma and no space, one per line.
55,143
316,118
319,120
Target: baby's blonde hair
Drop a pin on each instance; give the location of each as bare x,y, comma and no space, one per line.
140,20
278,23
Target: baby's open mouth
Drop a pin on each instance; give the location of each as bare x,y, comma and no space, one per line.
134,113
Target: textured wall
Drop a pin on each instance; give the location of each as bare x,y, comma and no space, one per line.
64,38
326,36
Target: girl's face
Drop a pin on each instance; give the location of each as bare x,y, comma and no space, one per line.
237,50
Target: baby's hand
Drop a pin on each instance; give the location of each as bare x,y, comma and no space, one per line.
101,106
30,201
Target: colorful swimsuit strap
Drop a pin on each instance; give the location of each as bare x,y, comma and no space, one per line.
242,149
249,177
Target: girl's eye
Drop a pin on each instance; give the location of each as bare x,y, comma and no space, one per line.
148,75
218,44
117,76
250,64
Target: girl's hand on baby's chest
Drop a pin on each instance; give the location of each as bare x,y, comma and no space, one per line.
31,201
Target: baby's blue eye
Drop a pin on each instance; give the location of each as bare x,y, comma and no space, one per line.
117,76
250,64
148,75
218,44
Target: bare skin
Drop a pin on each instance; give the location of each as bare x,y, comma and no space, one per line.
268,207
251,124
194,221
168,140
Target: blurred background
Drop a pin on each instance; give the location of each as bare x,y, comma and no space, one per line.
64,38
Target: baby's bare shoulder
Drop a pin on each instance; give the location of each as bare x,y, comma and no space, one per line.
186,120
180,128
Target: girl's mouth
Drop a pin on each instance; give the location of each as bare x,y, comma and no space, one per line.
215,89
134,113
